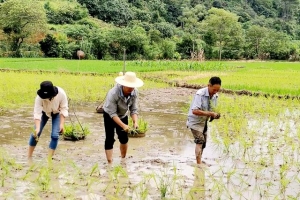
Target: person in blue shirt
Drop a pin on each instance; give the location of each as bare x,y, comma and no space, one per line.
201,111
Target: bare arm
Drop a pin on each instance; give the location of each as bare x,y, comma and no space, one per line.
135,120
199,112
37,124
62,122
120,123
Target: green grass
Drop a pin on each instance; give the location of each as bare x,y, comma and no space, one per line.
277,82
19,89
272,65
54,64
265,77
259,136
98,66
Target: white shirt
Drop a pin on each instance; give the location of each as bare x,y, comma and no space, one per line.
59,104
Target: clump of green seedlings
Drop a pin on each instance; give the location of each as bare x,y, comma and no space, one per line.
116,181
7,167
75,131
141,130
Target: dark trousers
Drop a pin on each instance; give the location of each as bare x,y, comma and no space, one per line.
110,126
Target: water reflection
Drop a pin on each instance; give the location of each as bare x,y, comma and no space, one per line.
197,190
168,144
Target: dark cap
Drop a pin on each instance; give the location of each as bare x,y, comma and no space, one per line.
47,90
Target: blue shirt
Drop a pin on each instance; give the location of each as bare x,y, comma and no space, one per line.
203,102
116,104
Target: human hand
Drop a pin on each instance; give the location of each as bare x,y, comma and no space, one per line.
214,116
217,116
126,128
136,125
35,134
61,129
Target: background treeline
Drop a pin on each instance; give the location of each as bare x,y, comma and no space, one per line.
154,29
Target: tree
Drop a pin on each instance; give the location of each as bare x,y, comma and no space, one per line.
115,11
173,8
101,41
158,9
168,49
288,7
185,47
92,6
277,45
63,12
50,46
254,37
132,39
167,30
224,28
19,19
191,18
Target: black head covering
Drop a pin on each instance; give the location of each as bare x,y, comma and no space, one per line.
47,90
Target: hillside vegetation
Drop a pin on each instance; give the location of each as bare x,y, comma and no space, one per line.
156,29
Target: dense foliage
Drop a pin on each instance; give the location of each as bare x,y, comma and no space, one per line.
156,29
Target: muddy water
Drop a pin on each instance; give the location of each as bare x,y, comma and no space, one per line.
167,144
166,153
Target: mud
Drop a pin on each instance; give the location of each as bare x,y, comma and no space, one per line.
165,156
167,142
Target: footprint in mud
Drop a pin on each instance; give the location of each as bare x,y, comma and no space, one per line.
202,165
153,161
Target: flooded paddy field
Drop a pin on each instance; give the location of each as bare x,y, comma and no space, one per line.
261,161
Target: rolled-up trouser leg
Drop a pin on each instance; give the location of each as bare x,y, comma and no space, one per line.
122,135
200,136
44,119
55,131
109,126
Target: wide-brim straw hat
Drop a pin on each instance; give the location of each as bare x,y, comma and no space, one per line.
129,80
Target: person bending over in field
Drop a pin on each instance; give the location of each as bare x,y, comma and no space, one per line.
51,101
120,101
201,111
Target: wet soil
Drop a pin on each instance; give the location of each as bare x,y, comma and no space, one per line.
167,144
163,159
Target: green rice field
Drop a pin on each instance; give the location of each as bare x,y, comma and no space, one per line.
252,153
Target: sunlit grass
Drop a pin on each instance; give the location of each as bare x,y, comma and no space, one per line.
265,81
256,138
107,66
21,88
274,78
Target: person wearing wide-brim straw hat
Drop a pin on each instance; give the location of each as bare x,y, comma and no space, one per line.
121,101
50,102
